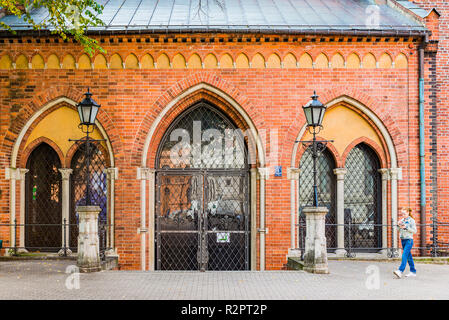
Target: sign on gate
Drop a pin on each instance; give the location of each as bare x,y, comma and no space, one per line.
223,237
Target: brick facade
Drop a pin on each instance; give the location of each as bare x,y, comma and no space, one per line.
272,98
437,102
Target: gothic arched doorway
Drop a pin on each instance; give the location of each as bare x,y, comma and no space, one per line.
363,198
202,194
43,230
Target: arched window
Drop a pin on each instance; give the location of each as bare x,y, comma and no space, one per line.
363,198
202,138
97,190
43,200
326,192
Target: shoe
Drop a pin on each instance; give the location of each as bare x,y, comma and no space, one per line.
398,273
411,274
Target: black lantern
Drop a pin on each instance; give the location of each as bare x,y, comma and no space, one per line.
314,111
88,109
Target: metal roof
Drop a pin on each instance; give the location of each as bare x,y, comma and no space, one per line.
414,8
282,16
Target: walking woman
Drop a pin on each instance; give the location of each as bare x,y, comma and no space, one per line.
407,227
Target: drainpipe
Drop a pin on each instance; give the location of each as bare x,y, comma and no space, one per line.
422,165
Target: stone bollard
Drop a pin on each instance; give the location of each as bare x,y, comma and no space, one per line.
315,255
88,241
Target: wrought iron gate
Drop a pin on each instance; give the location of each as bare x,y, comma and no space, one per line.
98,190
202,211
202,221
43,229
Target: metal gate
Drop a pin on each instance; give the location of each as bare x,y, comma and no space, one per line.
43,200
363,199
202,211
97,191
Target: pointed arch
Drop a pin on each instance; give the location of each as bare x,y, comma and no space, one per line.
273,61
131,61
380,127
338,61
53,62
226,61
385,61
306,61
68,62
100,62
163,62
258,61
22,62
5,62
37,62
178,62
290,61
50,106
353,61
36,143
210,62
369,61
194,62
401,61
242,61
147,61
84,62
322,61
201,87
116,62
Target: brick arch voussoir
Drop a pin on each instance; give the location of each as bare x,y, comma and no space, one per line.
371,103
35,104
23,149
34,144
372,144
176,90
40,100
74,148
329,146
186,103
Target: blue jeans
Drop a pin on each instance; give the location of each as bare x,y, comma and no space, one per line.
407,245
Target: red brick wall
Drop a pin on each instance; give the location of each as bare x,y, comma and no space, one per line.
441,205
131,99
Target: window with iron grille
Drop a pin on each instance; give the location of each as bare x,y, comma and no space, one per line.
43,230
363,199
97,191
326,192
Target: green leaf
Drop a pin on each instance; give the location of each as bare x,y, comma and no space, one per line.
67,18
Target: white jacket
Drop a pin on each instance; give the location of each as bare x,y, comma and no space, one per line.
410,228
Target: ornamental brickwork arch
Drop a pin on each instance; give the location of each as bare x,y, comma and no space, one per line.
182,95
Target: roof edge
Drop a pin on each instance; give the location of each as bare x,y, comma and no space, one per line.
399,7
270,31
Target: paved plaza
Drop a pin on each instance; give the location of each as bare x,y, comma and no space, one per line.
47,279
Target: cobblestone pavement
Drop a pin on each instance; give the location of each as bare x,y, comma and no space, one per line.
46,279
